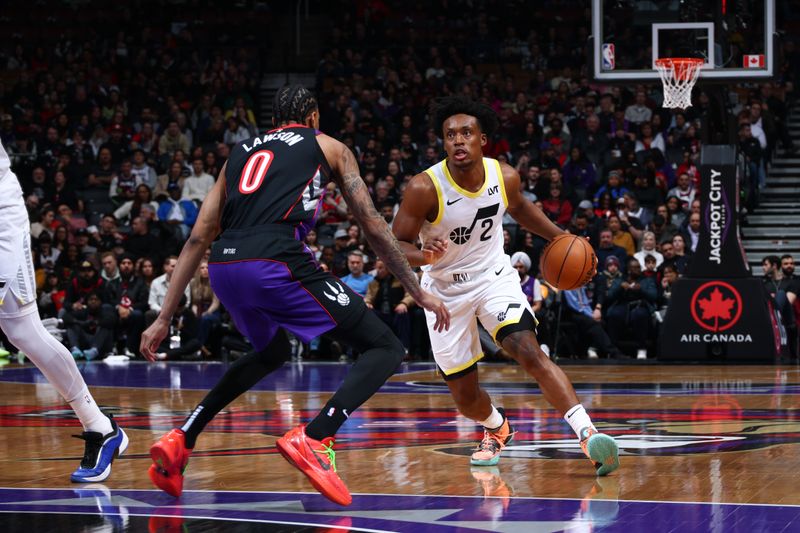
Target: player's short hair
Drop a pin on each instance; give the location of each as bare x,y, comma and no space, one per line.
446,107
293,103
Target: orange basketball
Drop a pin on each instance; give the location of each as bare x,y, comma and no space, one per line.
568,262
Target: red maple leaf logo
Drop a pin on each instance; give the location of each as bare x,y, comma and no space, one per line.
716,307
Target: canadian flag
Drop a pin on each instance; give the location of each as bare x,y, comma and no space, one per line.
754,61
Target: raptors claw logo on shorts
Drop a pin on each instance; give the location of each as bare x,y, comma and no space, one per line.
338,295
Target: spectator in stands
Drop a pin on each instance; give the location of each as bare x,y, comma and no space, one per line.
182,343
390,301
146,271
198,184
235,132
579,172
668,279
663,228
106,238
205,306
638,216
648,249
85,281
103,171
144,173
341,251
83,244
613,186
607,248
622,235
684,191
141,242
62,192
754,155
592,141
48,255
173,175
357,279
334,208
109,270
650,140
532,289
638,112
128,294
123,184
90,328
133,207
578,308
173,140
68,218
691,233
179,213
630,302
158,290
45,223
557,208
682,255
676,213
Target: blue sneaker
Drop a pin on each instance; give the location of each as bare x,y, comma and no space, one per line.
77,353
99,453
91,354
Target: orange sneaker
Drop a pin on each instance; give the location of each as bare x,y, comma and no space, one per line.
488,451
170,457
601,449
317,460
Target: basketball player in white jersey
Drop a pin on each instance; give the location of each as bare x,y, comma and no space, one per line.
19,319
456,207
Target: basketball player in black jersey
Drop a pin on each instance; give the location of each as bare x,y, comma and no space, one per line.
263,204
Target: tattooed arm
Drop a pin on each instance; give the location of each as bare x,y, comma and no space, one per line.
376,230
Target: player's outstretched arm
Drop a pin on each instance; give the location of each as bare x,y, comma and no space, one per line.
205,230
376,230
528,215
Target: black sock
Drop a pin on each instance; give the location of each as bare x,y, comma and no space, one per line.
381,354
240,377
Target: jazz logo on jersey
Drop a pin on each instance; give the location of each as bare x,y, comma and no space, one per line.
338,296
462,234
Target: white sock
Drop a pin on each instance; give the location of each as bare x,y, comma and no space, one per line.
90,414
578,418
494,421
27,333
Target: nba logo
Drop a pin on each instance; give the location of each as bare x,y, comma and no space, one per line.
608,56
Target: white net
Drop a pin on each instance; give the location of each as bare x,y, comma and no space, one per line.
678,77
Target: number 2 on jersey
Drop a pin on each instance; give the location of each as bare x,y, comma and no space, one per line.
254,171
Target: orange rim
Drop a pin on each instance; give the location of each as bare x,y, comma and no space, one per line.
682,67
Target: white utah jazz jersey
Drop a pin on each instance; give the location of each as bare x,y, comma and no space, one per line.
473,222
10,191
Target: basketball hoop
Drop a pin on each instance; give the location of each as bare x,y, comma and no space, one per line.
679,74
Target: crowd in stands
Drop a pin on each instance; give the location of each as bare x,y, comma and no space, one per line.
117,139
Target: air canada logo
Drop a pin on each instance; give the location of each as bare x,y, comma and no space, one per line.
716,306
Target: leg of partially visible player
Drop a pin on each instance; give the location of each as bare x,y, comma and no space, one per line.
104,440
519,340
474,403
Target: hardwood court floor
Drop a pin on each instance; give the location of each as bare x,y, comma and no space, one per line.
725,441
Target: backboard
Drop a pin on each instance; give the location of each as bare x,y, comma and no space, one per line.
735,38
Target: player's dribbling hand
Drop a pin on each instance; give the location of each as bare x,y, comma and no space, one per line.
152,337
433,250
436,306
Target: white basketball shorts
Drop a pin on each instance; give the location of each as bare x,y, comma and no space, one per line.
494,297
17,279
